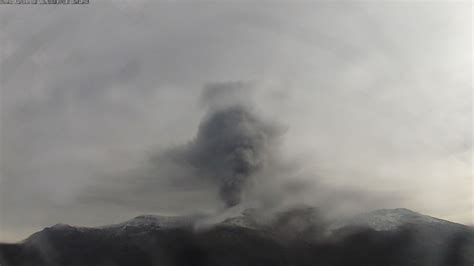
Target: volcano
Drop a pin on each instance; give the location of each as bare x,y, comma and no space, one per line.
293,237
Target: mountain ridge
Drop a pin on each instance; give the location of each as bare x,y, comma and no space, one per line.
298,236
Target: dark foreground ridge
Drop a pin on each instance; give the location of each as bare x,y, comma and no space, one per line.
296,237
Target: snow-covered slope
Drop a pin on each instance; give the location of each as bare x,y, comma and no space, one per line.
156,222
391,219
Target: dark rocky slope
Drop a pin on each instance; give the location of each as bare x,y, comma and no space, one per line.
292,238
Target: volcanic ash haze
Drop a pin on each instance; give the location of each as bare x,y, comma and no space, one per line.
231,145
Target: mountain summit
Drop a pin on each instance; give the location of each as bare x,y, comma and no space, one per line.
247,236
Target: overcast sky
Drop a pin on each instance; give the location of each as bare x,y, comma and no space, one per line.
375,100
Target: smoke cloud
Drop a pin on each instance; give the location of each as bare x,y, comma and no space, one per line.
232,142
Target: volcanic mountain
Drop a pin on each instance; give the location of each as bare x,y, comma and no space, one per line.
245,237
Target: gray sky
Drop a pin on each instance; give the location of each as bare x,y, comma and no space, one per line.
376,100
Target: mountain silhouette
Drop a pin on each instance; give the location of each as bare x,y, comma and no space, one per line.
294,237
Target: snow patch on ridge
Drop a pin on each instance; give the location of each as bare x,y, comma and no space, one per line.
387,220
156,222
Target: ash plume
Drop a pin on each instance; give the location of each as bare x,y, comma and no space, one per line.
232,143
